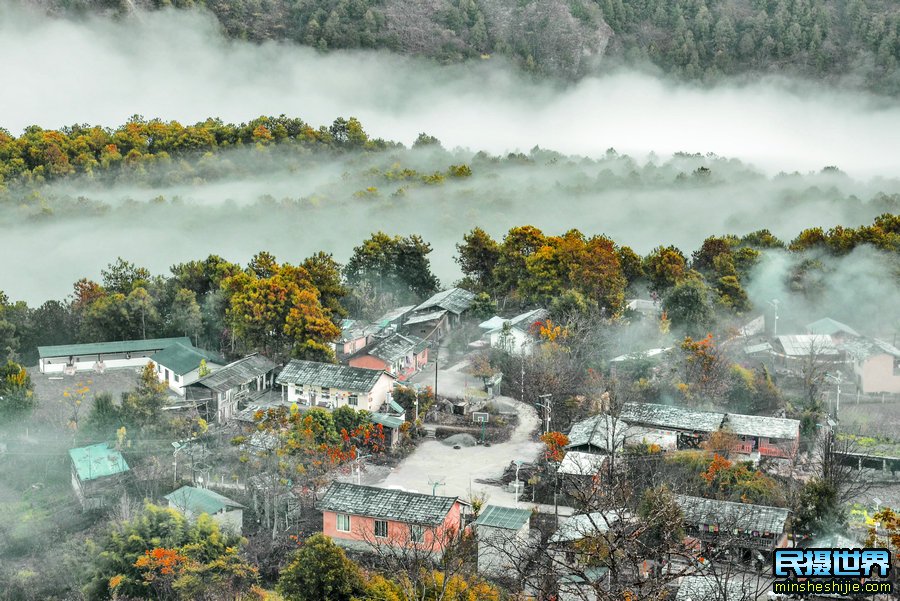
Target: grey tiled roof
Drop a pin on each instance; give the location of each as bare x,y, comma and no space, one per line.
729,515
586,525
395,346
392,316
423,317
802,345
709,588
455,300
863,348
524,321
234,374
598,431
759,425
669,416
386,503
328,375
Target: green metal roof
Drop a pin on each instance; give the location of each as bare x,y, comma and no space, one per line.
182,359
395,406
503,517
97,461
122,346
200,500
388,421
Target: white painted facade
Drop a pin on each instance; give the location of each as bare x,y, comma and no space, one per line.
513,340
177,383
50,365
310,395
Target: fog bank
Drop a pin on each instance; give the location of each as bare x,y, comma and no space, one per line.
176,65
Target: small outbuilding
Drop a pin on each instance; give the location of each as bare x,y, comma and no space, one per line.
193,502
98,473
503,538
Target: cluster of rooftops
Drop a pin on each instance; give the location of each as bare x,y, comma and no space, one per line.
636,421
701,514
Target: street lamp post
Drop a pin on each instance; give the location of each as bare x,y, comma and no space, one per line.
545,405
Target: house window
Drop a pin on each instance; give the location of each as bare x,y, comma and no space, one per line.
177,378
325,395
343,522
167,375
416,533
381,528
353,400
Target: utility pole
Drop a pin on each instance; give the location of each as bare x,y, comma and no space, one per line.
437,352
545,405
837,378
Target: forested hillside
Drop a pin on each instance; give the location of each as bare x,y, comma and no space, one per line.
692,39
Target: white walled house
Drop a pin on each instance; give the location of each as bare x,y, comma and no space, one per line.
517,336
99,356
314,384
193,502
179,365
876,365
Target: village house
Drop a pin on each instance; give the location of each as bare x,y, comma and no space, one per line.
179,365
355,336
393,319
399,355
242,381
691,427
518,335
644,306
367,517
768,436
314,384
98,473
735,525
193,502
439,314
794,350
605,434
503,536
639,363
876,365
99,356
669,428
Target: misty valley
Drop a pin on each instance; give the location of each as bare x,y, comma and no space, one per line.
458,300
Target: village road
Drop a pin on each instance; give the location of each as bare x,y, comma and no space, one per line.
458,470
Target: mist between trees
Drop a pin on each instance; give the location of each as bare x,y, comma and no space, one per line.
163,193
